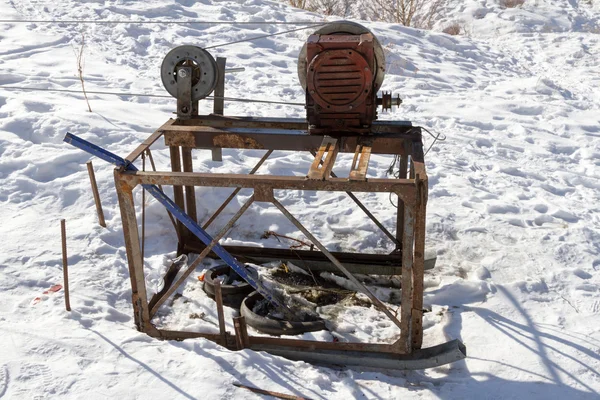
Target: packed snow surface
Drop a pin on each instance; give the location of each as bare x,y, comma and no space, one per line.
513,212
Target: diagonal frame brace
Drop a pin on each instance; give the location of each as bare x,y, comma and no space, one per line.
366,210
181,216
382,307
201,257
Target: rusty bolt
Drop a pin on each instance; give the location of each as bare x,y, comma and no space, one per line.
184,109
182,73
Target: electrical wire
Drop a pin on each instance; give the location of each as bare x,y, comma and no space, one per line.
396,161
263,36
157,22
147,95
435,139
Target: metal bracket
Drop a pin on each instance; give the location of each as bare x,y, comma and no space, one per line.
184,93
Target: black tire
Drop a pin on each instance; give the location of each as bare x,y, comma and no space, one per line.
233,295
272,326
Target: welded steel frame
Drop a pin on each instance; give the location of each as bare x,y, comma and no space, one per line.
212,132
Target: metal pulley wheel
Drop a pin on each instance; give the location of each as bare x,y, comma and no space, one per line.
346,28
202,63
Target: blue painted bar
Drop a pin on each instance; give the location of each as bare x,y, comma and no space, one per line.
178,213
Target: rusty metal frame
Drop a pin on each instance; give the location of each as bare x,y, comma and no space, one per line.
400,139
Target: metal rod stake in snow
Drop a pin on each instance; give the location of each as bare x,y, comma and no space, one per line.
220,315
180,215
99,210
63,235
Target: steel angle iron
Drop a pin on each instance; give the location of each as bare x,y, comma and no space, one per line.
189,73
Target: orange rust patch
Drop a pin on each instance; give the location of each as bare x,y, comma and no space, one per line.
233,141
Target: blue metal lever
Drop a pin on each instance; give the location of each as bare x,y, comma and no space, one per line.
177,212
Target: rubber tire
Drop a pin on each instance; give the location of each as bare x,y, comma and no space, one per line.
232,295
275,327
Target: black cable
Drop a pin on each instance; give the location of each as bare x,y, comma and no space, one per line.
112,22
262,36
149,95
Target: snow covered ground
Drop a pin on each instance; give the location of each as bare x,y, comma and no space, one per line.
513,209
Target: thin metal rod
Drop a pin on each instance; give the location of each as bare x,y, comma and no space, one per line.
99,210
143,210
234,70
149,153
239,341
63,234
220,315
236,191
146,95
365,210
376,302
202,255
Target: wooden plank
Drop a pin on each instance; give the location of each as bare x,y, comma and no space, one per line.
362,155
321,169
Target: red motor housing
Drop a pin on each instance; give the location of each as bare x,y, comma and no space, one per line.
340,83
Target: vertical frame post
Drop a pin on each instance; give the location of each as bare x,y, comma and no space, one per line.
406,304
219,101
402,173
220,315
190,194
421,182
178,198
134,254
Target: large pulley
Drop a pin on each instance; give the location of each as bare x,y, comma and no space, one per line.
193,66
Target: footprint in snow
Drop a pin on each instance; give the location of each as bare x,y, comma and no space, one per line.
34,381
3,380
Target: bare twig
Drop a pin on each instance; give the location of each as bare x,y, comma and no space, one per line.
80,64
268,234
569,303
416,13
